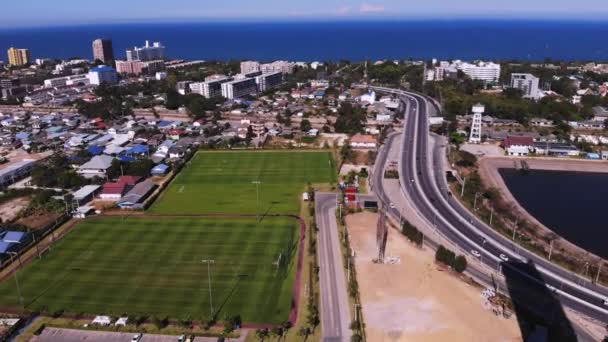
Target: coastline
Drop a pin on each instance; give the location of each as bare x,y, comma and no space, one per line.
490,176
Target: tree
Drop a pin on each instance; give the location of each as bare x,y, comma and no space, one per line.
304,332
460,264
305,125
173,101
350,119
456,139
262,334
346,152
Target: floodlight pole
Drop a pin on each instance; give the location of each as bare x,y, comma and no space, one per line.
209,262
17,279
257,191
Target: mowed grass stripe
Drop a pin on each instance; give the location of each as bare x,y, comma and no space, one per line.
153,266
221,182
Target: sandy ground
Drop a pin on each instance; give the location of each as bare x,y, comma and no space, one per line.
486,149
10,209
415,300
488,170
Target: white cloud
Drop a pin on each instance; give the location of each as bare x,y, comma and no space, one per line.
371,8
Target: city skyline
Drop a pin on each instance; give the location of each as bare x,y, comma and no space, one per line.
68,12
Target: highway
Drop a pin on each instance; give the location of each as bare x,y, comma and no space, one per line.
334,310
423,181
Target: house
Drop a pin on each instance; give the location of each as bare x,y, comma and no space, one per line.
13,237
85,194
517,145
113,191
541,122
96,167
600,113
135,197
363,141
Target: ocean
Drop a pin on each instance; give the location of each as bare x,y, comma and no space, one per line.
569,203
323,41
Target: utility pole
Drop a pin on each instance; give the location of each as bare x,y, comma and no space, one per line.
209,262
257,191
475,201
491,215
17,279
599,269
464,183
550,249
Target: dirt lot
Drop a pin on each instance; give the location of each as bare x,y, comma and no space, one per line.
10,209
415,300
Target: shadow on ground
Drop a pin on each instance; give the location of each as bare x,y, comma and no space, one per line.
540,315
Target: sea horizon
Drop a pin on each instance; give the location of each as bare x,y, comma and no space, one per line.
324,40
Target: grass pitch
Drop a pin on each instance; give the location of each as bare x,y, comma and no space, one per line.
221,182
153,266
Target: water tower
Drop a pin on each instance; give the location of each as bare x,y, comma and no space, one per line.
475,137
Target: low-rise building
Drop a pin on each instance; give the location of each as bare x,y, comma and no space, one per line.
96,167
361,141
518,145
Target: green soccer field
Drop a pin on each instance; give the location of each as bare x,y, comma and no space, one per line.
222,182
153,266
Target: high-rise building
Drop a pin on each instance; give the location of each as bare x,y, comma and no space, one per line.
527,83
239,88
249,66
282,66
139,67
212,87
268,81
147,52
102,50
18,57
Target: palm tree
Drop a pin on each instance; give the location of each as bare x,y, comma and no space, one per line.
261,334
304,332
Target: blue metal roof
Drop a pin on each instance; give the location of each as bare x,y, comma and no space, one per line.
126,159
160,169
102,68
5,246
12,236
138,149
95,150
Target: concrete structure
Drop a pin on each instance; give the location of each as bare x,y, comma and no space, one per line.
212,87
147,52
485,71
18,57
102,50
249,66
15,172
239,88
269,81
475,137
527,83
102,74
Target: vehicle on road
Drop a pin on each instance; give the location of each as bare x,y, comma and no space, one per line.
606,301
475,253
392,205
181,338
137,337
503,257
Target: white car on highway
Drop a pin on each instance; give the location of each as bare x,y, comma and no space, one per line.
606,301
392,205
475,253
136,337
503,257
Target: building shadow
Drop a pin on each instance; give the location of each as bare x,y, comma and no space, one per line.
540,314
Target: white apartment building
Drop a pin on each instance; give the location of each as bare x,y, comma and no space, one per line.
484,71
268,81
239,88
212,87
249,66
147,52
282,66
527,83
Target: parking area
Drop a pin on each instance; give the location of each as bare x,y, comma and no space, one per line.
70,335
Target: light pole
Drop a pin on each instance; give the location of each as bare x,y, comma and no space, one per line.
209,262
597,276
475,201
491,215
16,278
464,182
257,191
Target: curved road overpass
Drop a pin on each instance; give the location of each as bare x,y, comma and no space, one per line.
423,181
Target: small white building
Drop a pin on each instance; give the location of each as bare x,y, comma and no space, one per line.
363,141
518,146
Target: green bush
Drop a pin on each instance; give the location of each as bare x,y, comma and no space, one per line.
460,264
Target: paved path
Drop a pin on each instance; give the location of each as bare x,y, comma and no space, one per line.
73,335
335,315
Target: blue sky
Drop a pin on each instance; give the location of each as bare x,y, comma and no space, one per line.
53,12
